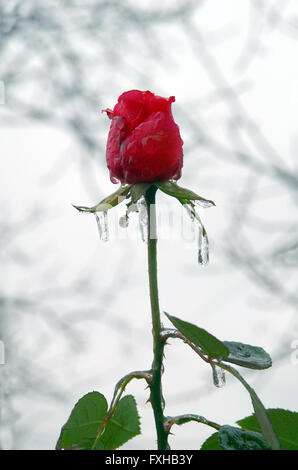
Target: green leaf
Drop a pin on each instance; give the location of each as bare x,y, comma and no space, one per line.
207,342
232,438
245,355
211,443
138,190
285,423
108,202
124,424
267,429
182,194
91,427
86,418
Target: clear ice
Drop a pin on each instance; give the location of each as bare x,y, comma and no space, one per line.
218,375
102,224
203,246
203,243
143,219
124,220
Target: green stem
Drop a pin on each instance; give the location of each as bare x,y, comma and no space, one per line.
156,397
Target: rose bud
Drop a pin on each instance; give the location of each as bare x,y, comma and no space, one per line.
144,142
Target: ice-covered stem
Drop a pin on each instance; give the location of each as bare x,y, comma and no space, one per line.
156,397
182,419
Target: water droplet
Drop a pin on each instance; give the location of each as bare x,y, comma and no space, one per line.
218,375
143,219
132,208
132,147
113,179
203,246
102,224
120,122
149,145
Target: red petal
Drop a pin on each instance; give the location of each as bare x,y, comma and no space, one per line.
157,150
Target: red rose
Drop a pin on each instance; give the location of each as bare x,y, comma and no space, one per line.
144,142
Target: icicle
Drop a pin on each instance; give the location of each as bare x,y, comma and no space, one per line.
218,375
143,219
203,246
102,224
190,211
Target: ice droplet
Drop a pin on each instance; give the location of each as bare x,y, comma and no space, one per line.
149,145
143,219
203,246
124,221
102,224
218,375
132,208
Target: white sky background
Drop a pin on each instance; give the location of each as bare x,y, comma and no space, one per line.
87,321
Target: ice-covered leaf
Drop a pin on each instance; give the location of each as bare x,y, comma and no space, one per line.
138,190
232,438
108,202
211,443
245,355
264,421
182,194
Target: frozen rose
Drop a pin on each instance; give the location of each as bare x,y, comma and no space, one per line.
144,142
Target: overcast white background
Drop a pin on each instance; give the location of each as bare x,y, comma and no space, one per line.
74,310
